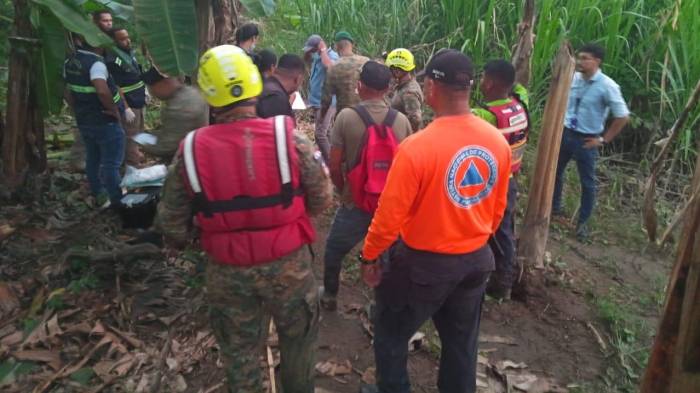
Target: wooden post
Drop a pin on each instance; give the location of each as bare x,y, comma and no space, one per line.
522,54
674,364
533,241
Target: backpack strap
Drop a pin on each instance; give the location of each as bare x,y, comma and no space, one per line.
364,115
390,117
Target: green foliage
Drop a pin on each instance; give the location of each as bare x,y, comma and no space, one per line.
652,47
74,19
49,59
258,8
169,29
83,376
121,11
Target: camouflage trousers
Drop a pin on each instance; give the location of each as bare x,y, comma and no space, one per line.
241,302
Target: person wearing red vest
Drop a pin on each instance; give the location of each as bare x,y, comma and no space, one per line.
251,184
505,107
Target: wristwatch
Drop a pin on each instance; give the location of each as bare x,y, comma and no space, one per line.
601,140
364,261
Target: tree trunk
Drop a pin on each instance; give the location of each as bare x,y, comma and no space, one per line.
532,244
23,138
205,25
522,54
223,12
674,364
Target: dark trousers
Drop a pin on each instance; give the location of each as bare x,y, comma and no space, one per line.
104,154
572,148
504,245
416,286
348,229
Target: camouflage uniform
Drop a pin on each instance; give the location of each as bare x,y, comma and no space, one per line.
408,99
341,81
242,299
183,112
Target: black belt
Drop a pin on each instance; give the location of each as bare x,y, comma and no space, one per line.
579,134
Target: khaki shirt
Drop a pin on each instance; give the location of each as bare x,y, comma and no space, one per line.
349,129
341,81
183,112
408,99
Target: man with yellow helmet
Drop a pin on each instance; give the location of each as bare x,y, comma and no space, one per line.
408,95
252,184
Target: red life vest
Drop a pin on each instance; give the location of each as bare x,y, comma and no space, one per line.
367,177
245,181
513,121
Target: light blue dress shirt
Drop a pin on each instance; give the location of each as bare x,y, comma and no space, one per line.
318,76
591,101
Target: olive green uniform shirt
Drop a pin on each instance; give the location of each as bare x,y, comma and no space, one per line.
408,99
341,81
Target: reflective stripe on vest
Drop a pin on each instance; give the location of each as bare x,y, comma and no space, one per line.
190,166
91,90
135,86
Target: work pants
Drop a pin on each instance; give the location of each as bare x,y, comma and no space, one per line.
241,301
348,229
572,148
104,154
418,285
503,246
322,131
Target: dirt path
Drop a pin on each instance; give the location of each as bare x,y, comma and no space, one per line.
107,326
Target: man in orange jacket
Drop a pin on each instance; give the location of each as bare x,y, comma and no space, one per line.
445,196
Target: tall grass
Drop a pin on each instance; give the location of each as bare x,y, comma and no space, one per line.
653,47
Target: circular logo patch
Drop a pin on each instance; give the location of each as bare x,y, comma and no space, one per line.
236,91
471,176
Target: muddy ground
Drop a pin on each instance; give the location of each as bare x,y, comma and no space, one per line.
78,314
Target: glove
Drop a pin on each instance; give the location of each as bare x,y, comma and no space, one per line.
129,116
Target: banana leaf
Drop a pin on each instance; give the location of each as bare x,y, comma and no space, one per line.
169,29
118,10
259,8
48,60
75,20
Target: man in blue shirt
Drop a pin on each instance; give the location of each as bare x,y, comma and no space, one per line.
322,58
593,97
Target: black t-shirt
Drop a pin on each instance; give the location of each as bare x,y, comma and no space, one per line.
273,100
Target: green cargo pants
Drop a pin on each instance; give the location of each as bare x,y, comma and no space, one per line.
241,302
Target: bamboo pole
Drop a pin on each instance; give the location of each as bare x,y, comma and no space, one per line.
522,55
531,247
674,364
648,210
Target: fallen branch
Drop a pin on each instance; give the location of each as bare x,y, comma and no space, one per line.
271,362
598,337
161,363
127,253
681,213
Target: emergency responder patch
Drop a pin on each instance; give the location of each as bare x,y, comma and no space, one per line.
471,176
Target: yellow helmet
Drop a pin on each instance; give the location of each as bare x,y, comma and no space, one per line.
401,58
227,75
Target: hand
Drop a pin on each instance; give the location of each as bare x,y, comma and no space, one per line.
372,274
591,143
322,46
129,116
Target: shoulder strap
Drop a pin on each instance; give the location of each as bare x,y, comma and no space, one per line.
281,145
190,164
390,117
364,115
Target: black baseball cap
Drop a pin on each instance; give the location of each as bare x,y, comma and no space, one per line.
375,75
451,67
